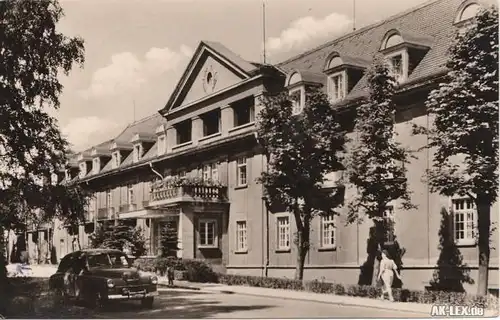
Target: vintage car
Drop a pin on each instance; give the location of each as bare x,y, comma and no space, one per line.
97,276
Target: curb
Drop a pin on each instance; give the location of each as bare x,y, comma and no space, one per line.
178,287
320,301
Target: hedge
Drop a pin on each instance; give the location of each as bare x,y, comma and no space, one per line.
195,270
401,295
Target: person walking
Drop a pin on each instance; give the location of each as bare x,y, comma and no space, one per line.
387,271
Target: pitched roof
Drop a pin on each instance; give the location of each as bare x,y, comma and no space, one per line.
430,24
145,125
243,64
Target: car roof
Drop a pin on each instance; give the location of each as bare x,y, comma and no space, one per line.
97,251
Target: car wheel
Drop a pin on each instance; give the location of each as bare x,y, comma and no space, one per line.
95,300
59,293
147,302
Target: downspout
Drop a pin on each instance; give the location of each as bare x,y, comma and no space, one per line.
151,233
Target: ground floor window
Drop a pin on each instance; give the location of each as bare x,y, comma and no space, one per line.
241,236
283,233
464,216
328,231
207,233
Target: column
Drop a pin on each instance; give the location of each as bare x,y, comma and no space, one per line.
179,235
171,138
196,129
227,121
186,219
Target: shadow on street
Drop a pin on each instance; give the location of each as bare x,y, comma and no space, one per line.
177,304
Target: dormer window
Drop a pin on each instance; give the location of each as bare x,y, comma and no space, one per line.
467,11
115,158
161,144
403,53
96,165
83,170
297,83
337,86
297,95
137,152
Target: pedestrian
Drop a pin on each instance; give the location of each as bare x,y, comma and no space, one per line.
387,271
170,275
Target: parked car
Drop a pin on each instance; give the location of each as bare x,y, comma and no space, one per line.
97,276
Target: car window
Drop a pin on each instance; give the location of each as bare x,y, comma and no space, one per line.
108,259
65,263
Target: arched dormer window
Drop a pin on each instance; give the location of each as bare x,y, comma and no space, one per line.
467,11
342,72
393,40
296,91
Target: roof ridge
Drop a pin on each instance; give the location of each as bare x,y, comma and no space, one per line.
365,28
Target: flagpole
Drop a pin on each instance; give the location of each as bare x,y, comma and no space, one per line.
264,29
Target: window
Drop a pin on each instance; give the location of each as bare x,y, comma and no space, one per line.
83,169
296,96
464,216
181,173
336,87
109,199
210,172
283,233
244,111
328,231
130,195
241,236
91,205
211,122
469,12
183,130
137,152
397,68
161,145
96,166
241,171
208,233
67,174
116,159
389,224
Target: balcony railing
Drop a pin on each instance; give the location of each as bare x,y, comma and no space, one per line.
105,213
173,194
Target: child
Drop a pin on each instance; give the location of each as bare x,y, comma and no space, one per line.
170,275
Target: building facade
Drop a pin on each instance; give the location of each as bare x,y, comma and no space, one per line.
207,134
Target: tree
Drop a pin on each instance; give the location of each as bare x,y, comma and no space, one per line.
464,134
452,272
118,237
301,150
33,54
375,165
169,240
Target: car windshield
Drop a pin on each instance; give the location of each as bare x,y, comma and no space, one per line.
108,259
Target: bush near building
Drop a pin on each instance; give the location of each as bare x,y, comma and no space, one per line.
186,269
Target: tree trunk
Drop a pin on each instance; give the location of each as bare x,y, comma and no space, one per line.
483,221
379,238
302,248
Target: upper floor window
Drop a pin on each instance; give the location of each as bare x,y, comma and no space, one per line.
161,144
130,195
336,86
210,171
464,216
328,231
467,11
183,130
91,205
244,111
398,65
298,100
109,199
96,165
211,122
137,153
67,174
241,171
83,170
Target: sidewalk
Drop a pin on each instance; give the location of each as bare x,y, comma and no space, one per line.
424,309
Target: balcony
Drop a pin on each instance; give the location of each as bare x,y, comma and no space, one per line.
172,195
105,213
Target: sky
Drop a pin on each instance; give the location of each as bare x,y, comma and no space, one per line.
136,50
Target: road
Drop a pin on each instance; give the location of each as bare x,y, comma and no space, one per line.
176,303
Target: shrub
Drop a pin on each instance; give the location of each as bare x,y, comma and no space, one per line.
199,271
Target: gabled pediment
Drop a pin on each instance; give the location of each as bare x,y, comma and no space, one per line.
212,68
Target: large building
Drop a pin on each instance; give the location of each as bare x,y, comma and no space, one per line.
206,132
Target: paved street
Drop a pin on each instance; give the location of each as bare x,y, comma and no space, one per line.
176,303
